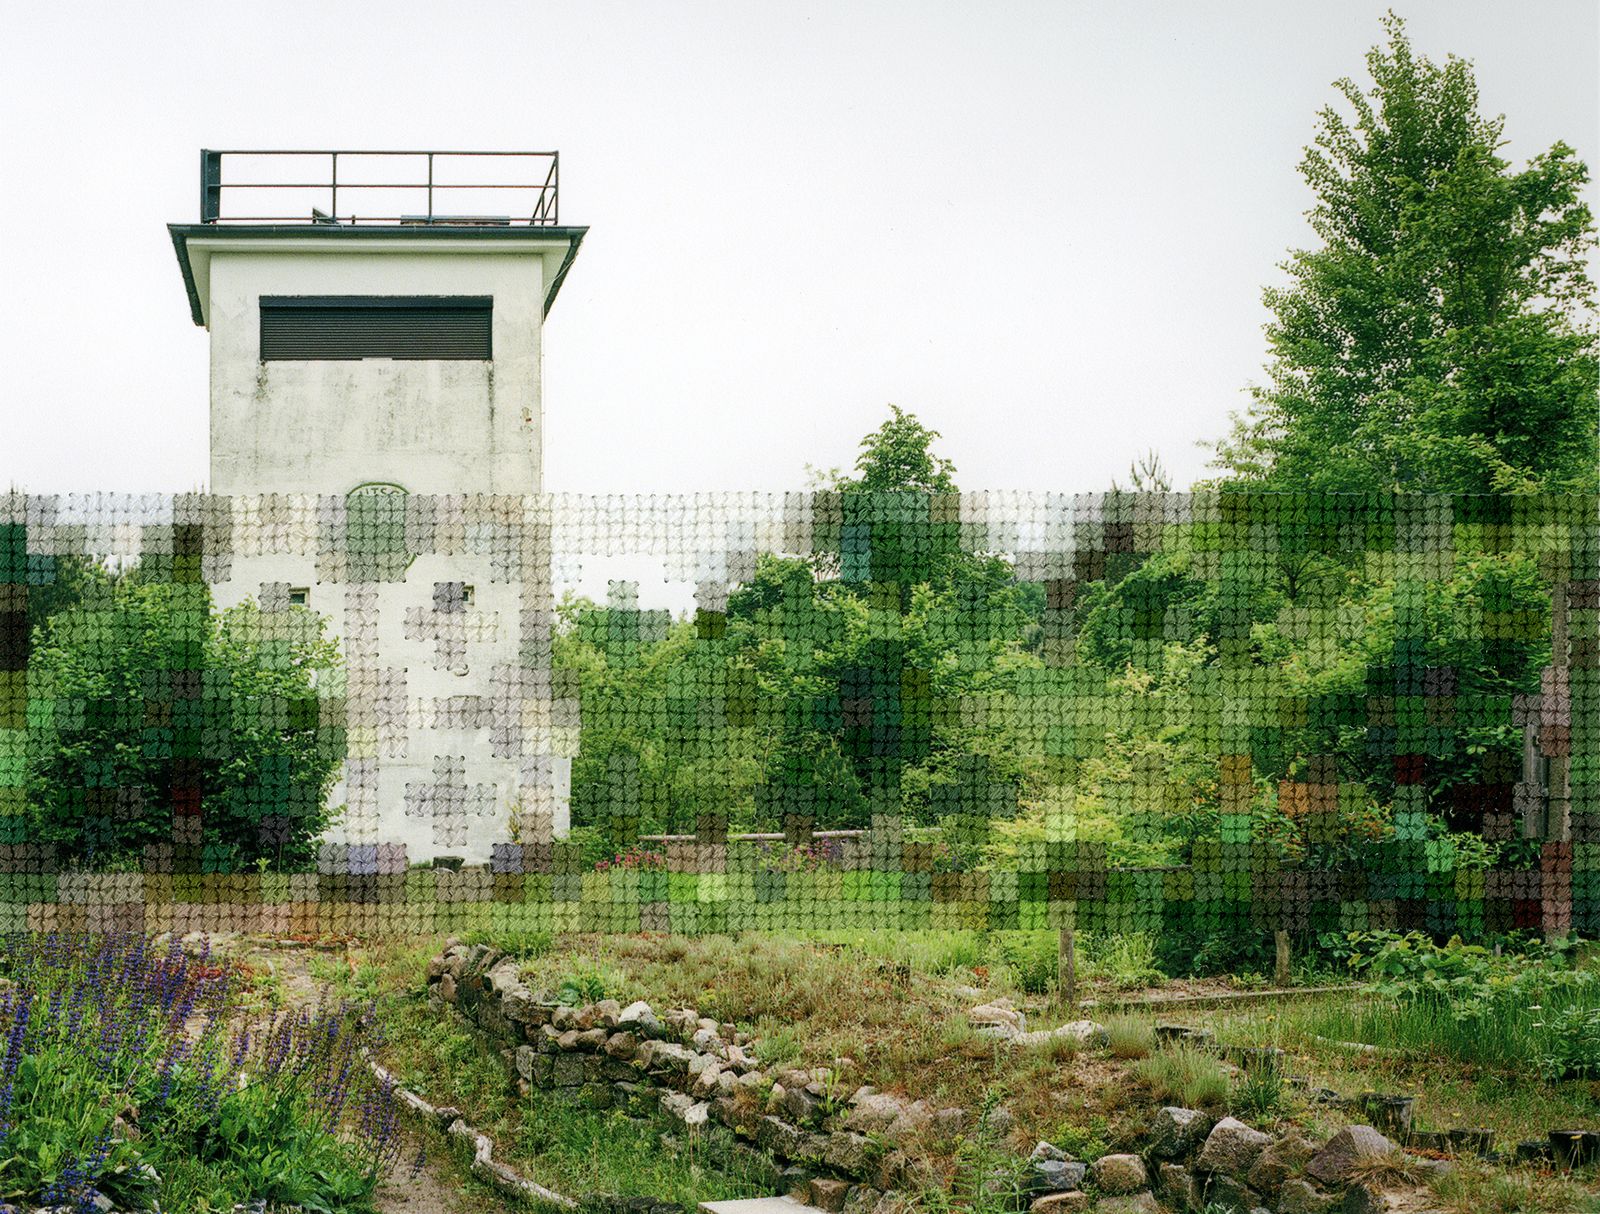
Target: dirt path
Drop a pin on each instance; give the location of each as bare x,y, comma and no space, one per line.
432,1189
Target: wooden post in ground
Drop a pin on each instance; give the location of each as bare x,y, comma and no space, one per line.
1067,968
1557,895
1280,939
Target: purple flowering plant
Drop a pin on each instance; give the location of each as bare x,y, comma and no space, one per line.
124,1063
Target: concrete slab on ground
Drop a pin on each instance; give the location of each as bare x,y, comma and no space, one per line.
758,1205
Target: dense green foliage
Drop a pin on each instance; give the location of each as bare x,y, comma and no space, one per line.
129,1077
1441,338
152,705
811,728
1530,1004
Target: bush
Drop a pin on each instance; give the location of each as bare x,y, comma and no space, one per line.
1125,959
155,708
121,1073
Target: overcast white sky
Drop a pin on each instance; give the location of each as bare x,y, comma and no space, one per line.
1042,227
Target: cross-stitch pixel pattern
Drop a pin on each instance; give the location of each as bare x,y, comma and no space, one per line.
883,710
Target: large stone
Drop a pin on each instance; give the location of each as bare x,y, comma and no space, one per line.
1226,1193
1299,1197
447,987
683,1022
778,1137
1232,1148
1345,1152
707,1040
800,1105
828,1194
1045,1150
1053,1175
665,1058
1360,1199
852,1154
1115,1174
1074,1202
526,1057
997,1018
639,1017
519,1006
567,1071
622,1045
891,1116
1285,1158
1175,1132
504,978
1178,1188
861,1199
1085,1033
1131,1203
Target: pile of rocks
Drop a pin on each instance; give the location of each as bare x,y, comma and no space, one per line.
1193,1163
843,1149
797,1129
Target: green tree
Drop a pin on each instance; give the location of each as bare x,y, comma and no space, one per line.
149,704
898,457
1441,339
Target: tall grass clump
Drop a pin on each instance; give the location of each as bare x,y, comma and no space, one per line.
1260,1093
126,1073
1130,1036
1185,1076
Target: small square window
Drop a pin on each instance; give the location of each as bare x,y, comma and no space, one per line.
299,596
466,596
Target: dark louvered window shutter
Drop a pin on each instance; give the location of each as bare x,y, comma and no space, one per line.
376,326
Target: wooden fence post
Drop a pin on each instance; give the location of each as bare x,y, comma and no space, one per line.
1067,968
1280,939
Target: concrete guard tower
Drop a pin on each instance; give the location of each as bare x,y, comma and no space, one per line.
375,324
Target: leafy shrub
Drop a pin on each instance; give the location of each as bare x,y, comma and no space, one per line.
820,855
781,1045
1572,1043
120,1069
157,704
1126,959
1029,957
1182,951
586,984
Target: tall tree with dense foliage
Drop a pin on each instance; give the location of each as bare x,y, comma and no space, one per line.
152,706
1441,339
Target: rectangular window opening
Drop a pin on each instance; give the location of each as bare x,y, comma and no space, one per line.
299,596
300,327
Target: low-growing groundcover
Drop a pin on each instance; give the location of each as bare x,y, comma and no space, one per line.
126,1074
